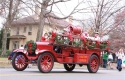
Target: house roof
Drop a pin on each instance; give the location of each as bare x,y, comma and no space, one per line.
17,36
33,19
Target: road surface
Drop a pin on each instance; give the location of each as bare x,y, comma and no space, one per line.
60,74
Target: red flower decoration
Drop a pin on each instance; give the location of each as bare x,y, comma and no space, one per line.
107,42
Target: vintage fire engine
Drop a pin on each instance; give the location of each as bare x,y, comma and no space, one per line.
69,48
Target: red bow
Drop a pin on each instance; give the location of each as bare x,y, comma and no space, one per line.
30,44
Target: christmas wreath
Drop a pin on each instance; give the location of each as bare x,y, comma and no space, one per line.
91,44
77,44
103,45
31,46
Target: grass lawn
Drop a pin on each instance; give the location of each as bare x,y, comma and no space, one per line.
3,59
4,62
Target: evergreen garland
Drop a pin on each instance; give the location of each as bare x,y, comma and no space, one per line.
59,40
31,46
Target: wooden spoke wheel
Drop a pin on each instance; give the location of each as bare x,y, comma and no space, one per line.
93,65
19,62
69,67
45,62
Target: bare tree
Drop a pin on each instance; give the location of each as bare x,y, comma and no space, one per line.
103,13
44,13
1,7
117,34
12,7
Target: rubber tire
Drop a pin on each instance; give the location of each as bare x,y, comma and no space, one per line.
69,69
89,67
13,62
39,59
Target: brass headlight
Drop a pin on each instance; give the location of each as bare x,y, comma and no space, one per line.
36,51
25,51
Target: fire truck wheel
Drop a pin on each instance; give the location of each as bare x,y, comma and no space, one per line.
19,62
69,67
93,65
45,62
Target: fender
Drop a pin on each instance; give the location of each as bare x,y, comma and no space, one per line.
50,51
46,50
14,52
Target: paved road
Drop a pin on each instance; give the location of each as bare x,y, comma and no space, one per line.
60,74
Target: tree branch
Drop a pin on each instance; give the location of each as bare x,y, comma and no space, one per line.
58,2
112,14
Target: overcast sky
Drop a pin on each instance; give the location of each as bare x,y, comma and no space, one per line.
65,8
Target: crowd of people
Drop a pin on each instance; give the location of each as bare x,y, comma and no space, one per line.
109,58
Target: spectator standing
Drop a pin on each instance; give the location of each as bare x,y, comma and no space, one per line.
110,57
120,56
105,59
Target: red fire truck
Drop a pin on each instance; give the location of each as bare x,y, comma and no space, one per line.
69,49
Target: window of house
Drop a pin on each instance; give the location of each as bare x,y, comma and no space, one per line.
17,31
30,30
24,30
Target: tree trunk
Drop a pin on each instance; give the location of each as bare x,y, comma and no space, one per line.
42,19
41,26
